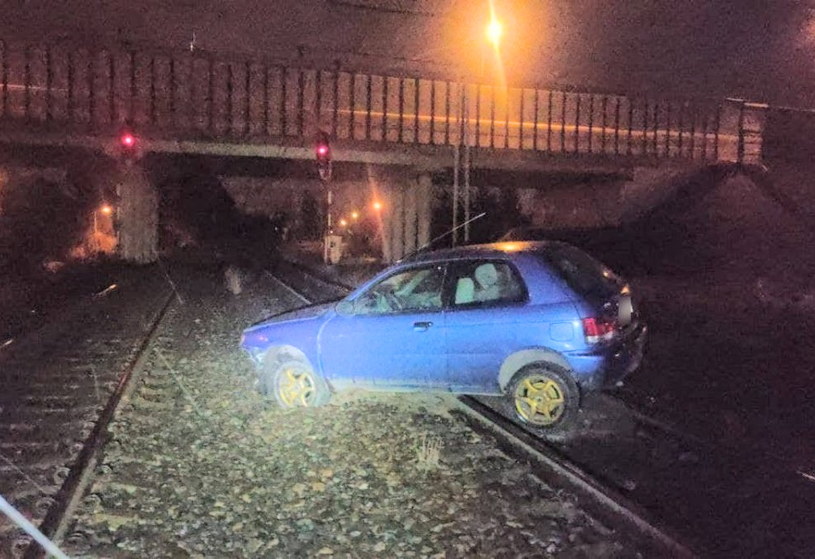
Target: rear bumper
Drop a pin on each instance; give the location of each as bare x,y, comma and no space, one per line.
609,365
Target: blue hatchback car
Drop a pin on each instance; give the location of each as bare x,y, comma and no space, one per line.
540,322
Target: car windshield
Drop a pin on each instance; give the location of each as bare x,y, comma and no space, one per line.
583,273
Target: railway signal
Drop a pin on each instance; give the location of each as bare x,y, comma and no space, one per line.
129,144
322,150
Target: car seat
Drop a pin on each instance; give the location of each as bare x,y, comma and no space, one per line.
465,289
489,288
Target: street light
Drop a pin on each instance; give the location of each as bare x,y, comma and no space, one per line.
104,209
377,205
354,215
495,30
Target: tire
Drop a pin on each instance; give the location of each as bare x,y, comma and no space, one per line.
545,397
295,384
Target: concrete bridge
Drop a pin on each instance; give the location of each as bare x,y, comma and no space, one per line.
399,128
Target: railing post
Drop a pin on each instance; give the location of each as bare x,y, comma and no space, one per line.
740,151
91,92
265,100
368,102
432,112
153,89
27,83
211,93
492,120
247,86
577,123
282,107
716,132
335,105
133,91
384,108
4,45
563,122
416,110
230,87
112,92
49,78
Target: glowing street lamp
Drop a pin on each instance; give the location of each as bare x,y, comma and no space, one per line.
495,30
343,222
377,206
106,210
355,215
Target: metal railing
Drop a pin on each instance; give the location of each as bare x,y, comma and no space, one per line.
188,95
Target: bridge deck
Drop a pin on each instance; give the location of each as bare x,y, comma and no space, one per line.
203,99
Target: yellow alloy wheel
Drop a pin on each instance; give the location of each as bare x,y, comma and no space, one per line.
296,386
539,399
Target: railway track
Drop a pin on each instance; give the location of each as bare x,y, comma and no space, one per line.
626,468
716,498
62,384
607,497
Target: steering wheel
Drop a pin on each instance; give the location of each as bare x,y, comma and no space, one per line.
387,299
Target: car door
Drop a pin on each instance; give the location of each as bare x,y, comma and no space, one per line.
395,336
485,314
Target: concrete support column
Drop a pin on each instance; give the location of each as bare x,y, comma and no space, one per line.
410,200
424,207
396,202
408,204
137,215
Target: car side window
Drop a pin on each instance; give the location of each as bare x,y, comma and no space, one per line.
417,289
486,283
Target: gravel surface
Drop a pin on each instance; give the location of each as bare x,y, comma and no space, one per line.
200,465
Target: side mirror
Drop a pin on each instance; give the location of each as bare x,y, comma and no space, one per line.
345,308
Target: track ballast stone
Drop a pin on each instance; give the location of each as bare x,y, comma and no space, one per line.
200,465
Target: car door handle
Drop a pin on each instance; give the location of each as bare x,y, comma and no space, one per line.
422,326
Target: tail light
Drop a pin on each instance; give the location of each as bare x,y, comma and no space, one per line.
599,329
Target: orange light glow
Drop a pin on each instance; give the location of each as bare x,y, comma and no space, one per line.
106,210
377,205
355,215
495,31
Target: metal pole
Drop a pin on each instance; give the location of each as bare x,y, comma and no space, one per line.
466,194
30,529
328,209
456,165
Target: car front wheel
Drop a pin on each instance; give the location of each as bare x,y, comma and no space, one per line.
295,384
545,397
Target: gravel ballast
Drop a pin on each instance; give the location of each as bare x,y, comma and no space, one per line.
201,465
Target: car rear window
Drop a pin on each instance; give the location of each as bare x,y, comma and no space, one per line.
583,273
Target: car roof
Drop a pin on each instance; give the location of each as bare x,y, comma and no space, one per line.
491,250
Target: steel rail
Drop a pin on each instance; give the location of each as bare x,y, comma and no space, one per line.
81,472
554,467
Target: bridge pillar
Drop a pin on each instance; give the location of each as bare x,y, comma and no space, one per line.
407,198
137,215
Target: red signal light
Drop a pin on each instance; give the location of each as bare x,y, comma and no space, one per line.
128,140
322,150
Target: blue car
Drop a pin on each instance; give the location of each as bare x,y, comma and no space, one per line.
540,322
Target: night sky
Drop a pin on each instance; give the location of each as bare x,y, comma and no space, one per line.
761,50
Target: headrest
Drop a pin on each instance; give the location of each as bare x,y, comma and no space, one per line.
486,275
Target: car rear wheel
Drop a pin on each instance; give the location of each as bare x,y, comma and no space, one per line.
295,384
545,397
